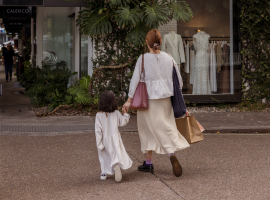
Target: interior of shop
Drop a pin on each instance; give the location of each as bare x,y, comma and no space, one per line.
204,48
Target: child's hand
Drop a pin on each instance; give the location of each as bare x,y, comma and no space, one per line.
124,110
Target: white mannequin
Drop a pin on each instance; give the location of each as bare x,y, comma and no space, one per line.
172,43
201,83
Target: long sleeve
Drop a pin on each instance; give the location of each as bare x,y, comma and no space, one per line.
178,74
123,119
135,78
181,50
163,45
98,133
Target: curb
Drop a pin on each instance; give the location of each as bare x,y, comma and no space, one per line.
251,129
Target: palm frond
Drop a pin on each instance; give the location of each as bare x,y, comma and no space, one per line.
180,11
125,16
82,99
85,82
119,2
93,23
137,35
156,14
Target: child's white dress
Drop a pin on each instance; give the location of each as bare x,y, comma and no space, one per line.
111,150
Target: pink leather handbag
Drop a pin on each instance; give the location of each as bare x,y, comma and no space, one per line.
140,98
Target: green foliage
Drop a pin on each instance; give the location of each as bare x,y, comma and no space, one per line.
132,16
46,86
256,55
79,93
118,29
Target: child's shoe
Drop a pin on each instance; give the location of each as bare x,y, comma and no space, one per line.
118,174
103,177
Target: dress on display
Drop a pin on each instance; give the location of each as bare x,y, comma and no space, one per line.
201,74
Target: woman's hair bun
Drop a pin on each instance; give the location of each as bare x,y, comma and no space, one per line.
154,39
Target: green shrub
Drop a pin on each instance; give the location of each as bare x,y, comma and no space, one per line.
255,28
79,93
46,86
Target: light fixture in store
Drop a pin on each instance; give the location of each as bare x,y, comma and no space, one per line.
198,30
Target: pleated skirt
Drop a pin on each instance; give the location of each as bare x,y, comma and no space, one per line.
157,128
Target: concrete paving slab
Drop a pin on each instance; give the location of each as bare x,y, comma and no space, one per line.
220,167
67,167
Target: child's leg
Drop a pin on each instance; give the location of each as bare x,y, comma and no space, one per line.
102,163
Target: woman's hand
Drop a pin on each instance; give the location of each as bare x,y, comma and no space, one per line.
126,105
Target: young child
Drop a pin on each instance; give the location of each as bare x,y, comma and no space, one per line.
111,151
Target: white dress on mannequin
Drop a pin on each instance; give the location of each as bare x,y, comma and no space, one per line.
201,74
213,68
172,43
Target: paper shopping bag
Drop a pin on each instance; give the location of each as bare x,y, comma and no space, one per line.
189,128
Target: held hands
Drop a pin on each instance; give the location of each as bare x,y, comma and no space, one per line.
125,107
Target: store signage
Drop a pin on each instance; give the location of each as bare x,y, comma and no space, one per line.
65,3
14,24
23,2
17,12
22,20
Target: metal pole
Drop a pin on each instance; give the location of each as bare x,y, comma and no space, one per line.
231,48
32,39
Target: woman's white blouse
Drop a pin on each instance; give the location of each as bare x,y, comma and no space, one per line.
158,75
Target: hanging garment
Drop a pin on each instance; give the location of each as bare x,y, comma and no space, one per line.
172,43
187,58
213,68
192,65
225,70
201,74
219,57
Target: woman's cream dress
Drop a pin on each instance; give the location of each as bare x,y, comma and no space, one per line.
156,126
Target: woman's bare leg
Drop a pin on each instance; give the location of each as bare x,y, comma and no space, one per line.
148,155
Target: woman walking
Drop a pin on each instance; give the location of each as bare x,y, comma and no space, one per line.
156,125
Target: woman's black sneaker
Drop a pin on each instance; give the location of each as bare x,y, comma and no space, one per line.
146,168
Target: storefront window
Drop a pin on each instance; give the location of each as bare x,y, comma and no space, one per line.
204,49
84,55
58,36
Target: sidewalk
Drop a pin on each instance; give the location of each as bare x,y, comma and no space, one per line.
26,121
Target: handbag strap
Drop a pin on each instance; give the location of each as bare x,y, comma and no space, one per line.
143,67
